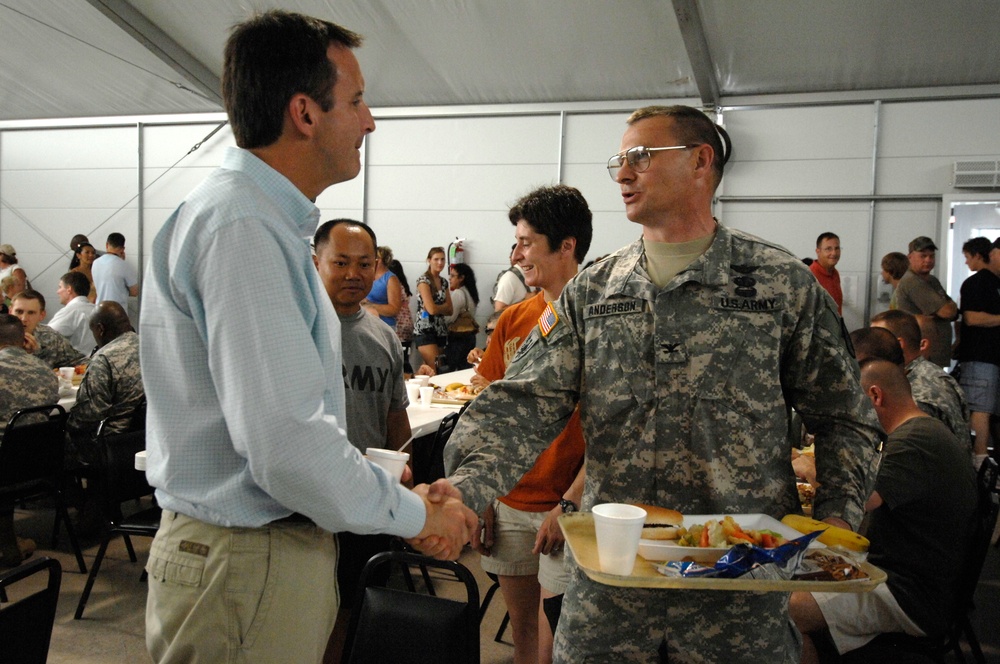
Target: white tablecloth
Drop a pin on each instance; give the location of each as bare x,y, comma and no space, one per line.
424,421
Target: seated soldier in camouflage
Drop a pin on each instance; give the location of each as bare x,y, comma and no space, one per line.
935,392
112,386
42,341
25,381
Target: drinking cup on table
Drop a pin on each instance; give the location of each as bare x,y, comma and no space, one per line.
619,528
391,460
426,394
67,373
412,392
424,381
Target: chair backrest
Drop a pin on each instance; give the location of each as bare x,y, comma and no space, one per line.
33,452
983,523
26,624
445,429
389,625
121,481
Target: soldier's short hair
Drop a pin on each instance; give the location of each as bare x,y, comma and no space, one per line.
826,236
901,324
692,126
30,295
11,330
890,378
558,212
876,342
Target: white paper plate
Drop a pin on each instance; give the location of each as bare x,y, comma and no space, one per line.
662,550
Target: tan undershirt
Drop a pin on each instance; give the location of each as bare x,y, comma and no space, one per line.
664,260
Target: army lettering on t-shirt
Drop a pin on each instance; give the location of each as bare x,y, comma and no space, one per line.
614,308
366,379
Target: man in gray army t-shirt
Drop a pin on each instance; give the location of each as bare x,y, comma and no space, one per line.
685,351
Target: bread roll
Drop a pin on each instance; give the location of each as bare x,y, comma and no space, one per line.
661,523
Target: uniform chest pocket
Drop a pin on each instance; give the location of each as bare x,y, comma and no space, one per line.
619,352
742,373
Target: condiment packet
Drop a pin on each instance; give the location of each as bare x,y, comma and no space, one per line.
747,560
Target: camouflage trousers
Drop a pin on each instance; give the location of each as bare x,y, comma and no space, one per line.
604,624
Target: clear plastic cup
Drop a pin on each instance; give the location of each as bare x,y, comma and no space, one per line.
619,528
391,460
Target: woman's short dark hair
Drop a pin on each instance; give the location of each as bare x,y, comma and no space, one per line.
558,212
270,58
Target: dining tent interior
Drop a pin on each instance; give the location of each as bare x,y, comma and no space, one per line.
877,121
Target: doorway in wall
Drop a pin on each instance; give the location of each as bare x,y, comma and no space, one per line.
969,219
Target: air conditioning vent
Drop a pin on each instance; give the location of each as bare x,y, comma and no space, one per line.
976,175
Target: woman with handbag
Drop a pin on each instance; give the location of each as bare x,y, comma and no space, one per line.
462,325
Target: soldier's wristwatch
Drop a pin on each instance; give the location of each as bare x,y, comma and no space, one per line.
568,506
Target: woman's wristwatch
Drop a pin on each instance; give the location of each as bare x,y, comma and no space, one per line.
568,506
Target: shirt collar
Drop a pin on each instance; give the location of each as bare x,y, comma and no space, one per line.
629,276
303,211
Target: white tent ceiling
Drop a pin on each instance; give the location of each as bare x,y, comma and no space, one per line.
93,58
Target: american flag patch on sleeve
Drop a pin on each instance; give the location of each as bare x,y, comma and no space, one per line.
547,321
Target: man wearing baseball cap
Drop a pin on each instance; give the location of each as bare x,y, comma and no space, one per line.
922,295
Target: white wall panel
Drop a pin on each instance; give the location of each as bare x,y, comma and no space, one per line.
593,138
817,177
164,145
530,139
107,147
960,129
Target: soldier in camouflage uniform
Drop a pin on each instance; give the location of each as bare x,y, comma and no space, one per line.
24,382
44,343
684,392
935,392
112,386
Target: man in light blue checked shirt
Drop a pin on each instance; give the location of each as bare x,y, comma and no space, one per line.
247,445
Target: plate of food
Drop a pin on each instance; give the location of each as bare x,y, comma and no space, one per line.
704,538
455,393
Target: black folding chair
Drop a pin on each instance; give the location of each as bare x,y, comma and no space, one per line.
430,466
118,482
26,624
31,463
389,625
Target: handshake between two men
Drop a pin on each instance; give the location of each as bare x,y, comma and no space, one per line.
449,525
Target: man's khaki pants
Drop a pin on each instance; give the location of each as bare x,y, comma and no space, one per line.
240,595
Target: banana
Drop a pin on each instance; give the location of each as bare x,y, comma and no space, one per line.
454,386
832,535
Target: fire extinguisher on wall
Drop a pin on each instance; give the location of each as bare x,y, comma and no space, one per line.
456,252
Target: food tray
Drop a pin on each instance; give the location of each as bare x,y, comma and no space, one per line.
448,401
578,528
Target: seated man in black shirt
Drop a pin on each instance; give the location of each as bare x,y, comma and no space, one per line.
925,487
